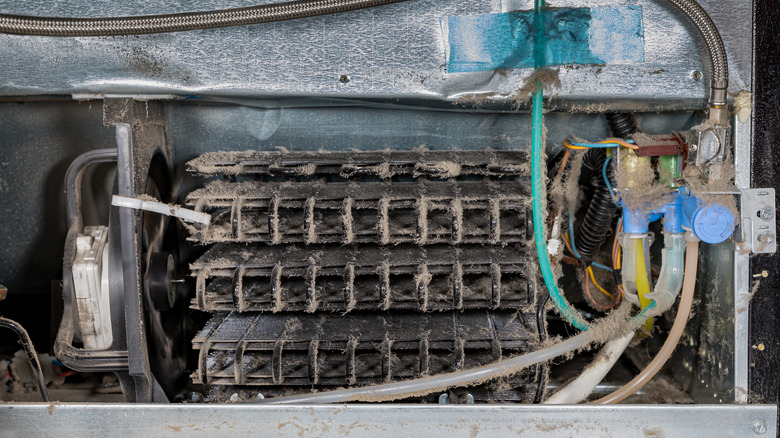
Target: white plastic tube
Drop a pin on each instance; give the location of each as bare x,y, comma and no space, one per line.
581,387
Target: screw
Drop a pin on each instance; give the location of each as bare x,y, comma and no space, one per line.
759,427
343,79
696,75
767,214
693,147
766,238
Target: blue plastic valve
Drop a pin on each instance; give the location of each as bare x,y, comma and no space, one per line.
712,223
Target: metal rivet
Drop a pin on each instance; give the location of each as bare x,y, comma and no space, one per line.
343,79
696,75
759,427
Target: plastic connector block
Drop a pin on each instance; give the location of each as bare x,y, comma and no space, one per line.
659,145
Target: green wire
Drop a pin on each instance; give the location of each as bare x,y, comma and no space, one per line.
564,308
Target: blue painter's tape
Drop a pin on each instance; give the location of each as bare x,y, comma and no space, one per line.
602,35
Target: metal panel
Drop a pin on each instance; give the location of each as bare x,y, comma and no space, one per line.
395,51
124,420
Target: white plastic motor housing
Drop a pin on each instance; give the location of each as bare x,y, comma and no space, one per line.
90,283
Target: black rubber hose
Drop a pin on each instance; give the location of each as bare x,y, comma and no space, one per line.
35,364
621,124
601,211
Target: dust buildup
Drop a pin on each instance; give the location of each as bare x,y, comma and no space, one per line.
547,77
704,188
614,324
637,184
441,169
643,139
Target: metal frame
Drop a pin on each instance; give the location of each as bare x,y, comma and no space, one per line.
194,420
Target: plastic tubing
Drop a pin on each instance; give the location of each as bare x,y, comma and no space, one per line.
643,278
686,302
35,363
581,387
670,280
427,385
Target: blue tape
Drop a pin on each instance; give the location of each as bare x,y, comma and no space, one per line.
603,35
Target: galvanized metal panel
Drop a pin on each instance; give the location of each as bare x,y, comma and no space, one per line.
131,420
395,51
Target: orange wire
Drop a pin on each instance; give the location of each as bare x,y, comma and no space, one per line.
625,144
620,142
593,302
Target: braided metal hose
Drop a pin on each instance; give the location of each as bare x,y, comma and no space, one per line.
112,26
720,66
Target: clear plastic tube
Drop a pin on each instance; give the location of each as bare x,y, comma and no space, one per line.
427,385
631,244
670,279
686,302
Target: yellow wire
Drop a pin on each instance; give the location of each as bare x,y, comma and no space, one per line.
620,142
642,282
593,277
616,141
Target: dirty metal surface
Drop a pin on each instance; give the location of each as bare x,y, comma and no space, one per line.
130,420
370,277
376,54
355,349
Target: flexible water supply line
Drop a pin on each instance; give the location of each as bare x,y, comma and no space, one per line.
134,25
666,290
580,388
683,312
441,382
112,26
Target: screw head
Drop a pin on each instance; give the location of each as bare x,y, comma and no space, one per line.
767,214
759,427
766,238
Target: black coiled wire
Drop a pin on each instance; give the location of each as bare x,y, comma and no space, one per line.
601,211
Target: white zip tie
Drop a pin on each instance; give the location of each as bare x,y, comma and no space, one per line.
158,207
